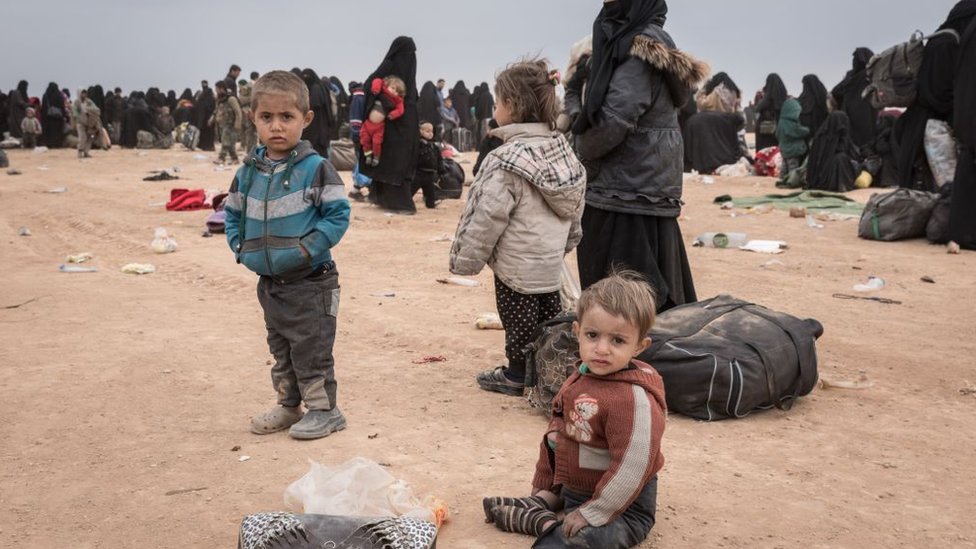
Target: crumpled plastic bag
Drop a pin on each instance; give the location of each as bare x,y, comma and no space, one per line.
742,168
940,150
359,487
163,243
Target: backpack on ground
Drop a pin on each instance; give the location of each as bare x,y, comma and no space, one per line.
720,358
893,72
897,215
191,137
450,184
342,154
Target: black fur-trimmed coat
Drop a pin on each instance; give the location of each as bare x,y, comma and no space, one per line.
634,152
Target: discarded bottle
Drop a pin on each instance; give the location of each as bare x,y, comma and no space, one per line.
163,243
721,240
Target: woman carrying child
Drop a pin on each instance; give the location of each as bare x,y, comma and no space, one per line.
523,214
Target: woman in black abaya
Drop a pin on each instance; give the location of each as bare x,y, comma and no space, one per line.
962,216
320,102
767,112
847,96
203,109
628,136
53,117
830,166
813,103
393,176
429,108
936,79
461,98
17,108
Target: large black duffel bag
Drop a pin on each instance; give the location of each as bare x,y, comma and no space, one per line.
719,358
724,357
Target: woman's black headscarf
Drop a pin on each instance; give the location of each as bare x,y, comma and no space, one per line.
97,94
484,105
813,102
461,98
428,105
960,16
830,166
774,92
614,30
725,80
187,95
857,76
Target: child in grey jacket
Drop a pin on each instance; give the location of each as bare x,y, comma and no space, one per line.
523,214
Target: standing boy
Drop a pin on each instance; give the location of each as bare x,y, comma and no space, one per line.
286,210
30,128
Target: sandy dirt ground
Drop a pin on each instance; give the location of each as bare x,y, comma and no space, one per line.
119,390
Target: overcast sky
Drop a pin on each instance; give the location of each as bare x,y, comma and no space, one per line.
174,44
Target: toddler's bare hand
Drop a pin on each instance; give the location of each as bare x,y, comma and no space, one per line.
573,523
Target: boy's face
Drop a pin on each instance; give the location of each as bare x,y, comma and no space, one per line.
607,342
427,131
279,123
448,103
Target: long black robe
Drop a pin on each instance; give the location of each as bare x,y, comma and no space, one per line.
320,102
53,117
203,109
4,113
962,216
342,101
17,108
885,149
461,98
830,166
767,110
712,140
935,82
393,177
97,94
813,103
847,96
138,117
428,107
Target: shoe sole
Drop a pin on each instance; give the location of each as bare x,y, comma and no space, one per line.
500,388
259,431
318,434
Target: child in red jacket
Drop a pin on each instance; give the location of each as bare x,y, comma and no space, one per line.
600,457
389,93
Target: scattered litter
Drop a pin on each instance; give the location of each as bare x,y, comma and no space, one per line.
969,389
43,168
443,238
720,240
142,153
206,233
163,243
168,371
708,180
80,258
156,204
31,300
812,223
772,263
223,168
14,171
23,231
728,205
488,321
383,294
883,300
371,436
185,491
761,209
873,283
77,269
862,382
199,156
388,214
457,281
236,448
431,358
765,246
161,176
928,279
57,190
40,150
953,248
243,458
138,268
798,212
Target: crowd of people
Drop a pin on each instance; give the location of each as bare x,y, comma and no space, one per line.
600,171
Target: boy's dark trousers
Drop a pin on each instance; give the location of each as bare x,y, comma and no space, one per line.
301,321
628,530
425,180
29,141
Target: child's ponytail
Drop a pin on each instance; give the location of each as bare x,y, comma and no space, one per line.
529,88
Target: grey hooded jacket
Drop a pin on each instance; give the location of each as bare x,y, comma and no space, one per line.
523,211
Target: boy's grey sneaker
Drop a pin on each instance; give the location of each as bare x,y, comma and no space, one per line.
318,424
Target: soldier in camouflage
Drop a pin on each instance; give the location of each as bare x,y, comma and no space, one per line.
229,122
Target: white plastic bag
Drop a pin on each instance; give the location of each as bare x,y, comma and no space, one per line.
940,150
163,243
358,487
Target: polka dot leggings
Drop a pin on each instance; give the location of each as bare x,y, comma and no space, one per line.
521,314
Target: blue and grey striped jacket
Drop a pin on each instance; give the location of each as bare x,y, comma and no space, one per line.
300,203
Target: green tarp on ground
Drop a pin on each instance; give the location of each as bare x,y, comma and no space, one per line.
811,200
